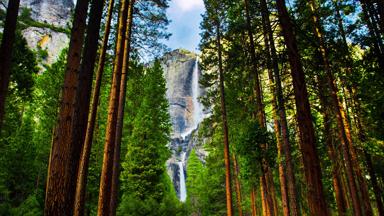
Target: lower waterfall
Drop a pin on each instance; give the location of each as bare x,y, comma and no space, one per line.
182,73
183,188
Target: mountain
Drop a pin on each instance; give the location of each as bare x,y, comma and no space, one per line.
182,73
48,25
54,12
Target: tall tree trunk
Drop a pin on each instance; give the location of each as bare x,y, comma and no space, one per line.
312,170
336,174
352,89
287,178
225,123
6,49
342,121
259,103
120,114
265,208
85,154
60,190
238,185
253,201
272,191
107,168
282,173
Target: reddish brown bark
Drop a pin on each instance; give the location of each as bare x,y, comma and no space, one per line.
60,190
352,89
120,114
282,174
336,174
312,170
225,123
282,166
85,154
253,202
6,52
238,185
341,119
107,168
286,146
259,106
264,205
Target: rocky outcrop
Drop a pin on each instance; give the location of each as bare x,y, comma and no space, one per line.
178,68
182,74
48,40
48,14
54,12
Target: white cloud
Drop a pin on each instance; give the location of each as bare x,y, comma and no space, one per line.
187,5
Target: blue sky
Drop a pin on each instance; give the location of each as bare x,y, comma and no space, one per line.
185,16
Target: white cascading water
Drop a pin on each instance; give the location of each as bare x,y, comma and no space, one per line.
197,117
197,106
183,188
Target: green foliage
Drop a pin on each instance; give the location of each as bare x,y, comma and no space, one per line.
254,145
26,139
147,189
195,183
17,163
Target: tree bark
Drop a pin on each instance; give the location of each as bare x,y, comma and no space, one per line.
336,174
352,89
342,121
120,114
253,201
287,178
60,191
238,185
225,123
282,173
312,170
286,146
6,49
259,104
85,154
107,168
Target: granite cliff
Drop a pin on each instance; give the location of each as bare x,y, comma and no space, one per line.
48,16
182,73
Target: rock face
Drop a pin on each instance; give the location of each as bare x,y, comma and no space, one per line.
50,13
54,12
182,74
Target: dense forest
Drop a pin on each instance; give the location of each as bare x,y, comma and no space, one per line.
294,91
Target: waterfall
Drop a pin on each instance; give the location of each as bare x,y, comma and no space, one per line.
197,106
186,113
197,115
183,189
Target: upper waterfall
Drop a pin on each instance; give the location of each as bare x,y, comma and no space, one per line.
182,73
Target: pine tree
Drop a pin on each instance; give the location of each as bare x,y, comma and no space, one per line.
316,201
144,165
64,158
106,175
86,151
